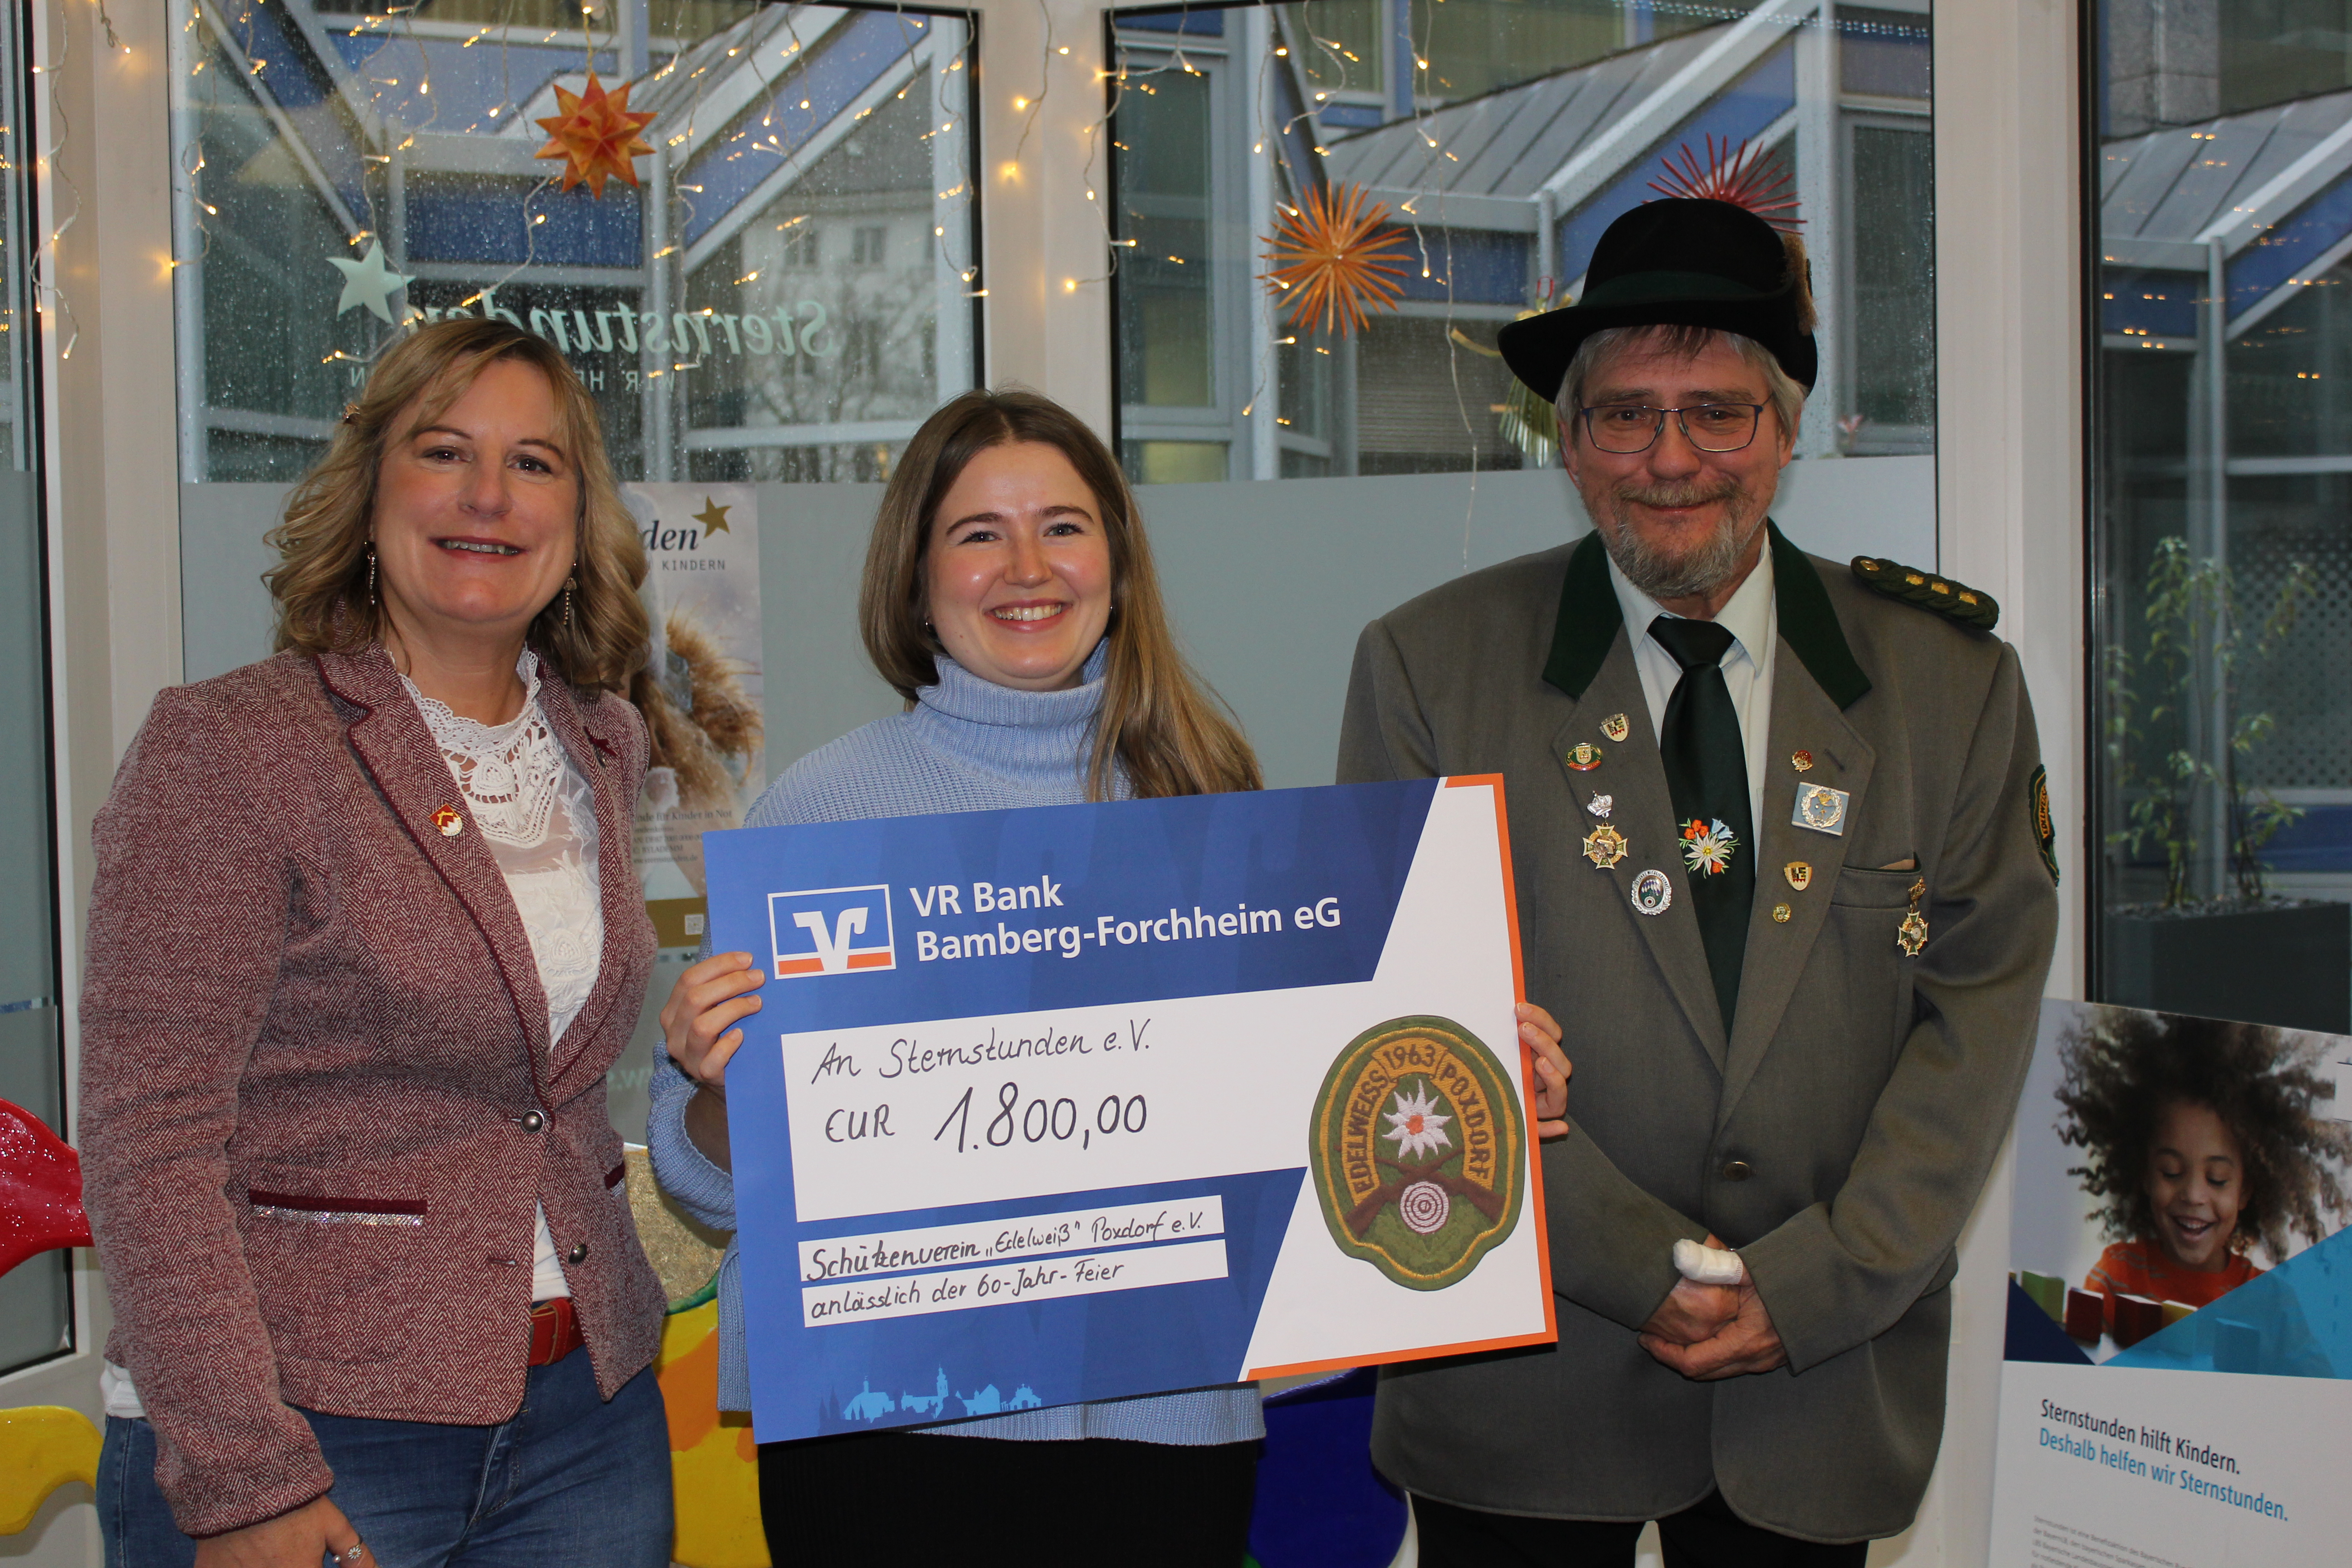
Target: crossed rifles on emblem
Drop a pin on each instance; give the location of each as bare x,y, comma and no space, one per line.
1486,1200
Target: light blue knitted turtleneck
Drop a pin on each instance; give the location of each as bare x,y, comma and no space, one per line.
967,745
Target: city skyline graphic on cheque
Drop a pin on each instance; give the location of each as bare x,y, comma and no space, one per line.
870,1404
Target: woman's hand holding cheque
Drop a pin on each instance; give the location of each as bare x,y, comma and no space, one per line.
699,1029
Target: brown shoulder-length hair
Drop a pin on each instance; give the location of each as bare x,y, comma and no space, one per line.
320,581
1159,721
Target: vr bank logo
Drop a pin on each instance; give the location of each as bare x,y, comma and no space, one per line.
831,931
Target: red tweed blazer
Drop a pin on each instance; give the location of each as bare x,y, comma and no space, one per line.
318,1106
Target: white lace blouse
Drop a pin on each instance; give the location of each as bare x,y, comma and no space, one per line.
533,806
536,812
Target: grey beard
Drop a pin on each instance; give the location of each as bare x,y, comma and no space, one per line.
1703,571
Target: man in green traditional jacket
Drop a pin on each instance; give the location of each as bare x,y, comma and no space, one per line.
1784,870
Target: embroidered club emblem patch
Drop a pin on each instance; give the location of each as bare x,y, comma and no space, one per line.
1821,808
2045,832
1707,847
1417,1147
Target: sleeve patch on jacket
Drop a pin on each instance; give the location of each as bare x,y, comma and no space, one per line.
2045,833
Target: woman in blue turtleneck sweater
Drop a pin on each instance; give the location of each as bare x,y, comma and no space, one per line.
1009,596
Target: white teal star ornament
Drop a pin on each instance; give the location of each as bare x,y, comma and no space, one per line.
368,281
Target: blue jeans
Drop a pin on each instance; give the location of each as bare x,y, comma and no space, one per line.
568,1479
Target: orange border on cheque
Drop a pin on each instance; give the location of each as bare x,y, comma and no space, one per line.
1550,1332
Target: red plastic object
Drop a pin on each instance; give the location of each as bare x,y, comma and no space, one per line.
41,1189
2085,1316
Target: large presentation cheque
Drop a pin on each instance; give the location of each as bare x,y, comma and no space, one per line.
1081,1102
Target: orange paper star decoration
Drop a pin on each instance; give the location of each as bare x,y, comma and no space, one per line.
1734,174
596,134
1335,260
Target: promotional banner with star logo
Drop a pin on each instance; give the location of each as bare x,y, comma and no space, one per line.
701,691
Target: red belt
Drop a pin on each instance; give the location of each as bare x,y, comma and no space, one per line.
554,1331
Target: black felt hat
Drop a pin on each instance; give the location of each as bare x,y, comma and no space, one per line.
1679,262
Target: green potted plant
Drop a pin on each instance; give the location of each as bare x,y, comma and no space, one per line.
2180,740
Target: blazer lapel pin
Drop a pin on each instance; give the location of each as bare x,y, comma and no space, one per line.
1821,808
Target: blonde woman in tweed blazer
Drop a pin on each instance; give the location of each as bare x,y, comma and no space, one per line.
363,940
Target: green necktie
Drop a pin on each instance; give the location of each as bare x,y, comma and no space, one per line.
1706,774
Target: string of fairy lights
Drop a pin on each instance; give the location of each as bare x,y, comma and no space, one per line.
1331,261
681,70
1327,258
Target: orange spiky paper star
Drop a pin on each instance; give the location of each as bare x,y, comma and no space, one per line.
596,134
1734,173
1334,260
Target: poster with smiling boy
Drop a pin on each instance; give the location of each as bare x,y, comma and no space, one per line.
2179,1313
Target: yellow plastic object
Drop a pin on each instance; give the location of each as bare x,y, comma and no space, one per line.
714,1467
43,1446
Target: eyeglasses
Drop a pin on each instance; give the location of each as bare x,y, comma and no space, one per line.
1627,428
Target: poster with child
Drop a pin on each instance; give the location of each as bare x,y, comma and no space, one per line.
2179,1309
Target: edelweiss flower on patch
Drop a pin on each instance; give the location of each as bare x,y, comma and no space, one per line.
1415,1124
1707,847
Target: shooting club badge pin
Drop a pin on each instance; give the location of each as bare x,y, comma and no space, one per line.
1821,808
1604,847
1912,934
448,820
1616,727
1652,893
1800,875
1583,756
1415,1146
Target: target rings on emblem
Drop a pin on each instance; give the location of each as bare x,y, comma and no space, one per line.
1424,1208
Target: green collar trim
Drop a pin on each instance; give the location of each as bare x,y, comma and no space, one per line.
1810,626
1590,619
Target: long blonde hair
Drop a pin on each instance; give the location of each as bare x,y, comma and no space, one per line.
1159,722
320,581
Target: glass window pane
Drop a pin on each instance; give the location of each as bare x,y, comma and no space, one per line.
1166,355
1176,462
1893,232
791,286
2222,474
35,1303
1491,143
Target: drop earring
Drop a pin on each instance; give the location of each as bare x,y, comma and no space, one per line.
568,584
370,576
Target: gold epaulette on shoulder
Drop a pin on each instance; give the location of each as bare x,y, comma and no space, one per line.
1953,601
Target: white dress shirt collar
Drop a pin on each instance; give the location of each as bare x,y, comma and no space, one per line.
1753,618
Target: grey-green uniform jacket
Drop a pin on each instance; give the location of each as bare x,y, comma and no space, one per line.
1839,1138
